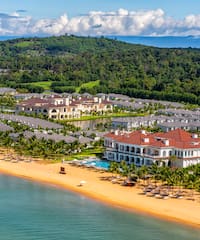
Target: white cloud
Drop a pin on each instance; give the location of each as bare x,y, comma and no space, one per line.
120,22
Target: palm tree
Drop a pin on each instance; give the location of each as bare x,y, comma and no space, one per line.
142,173
172,159
114,167
124,169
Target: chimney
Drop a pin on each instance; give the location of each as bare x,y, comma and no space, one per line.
146,140
116,132
66,101
143,131
194,135
166,142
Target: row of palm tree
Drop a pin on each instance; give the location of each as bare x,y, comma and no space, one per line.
41,148
182,177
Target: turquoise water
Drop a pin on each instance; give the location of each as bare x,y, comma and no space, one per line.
32,211
98,163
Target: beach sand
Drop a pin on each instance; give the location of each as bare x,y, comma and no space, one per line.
127,198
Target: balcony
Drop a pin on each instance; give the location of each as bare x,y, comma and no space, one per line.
155,156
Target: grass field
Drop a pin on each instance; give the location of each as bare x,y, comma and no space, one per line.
88,85
46,84
92,152
24,44
110,115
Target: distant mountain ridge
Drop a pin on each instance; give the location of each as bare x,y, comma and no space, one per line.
160,41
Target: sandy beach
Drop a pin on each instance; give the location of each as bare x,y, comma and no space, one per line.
128,198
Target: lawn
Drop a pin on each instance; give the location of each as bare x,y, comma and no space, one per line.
110,115
91,152
45,84
88,85
24,44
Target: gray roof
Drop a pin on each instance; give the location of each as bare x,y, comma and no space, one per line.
85,140
165,121
118,96
5,128
55,137
180,124
127,104
180,112
101,94
30,121
165,103
5,90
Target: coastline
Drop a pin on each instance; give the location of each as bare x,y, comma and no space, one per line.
127,198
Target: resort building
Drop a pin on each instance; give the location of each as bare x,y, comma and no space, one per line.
180,113
176,148
7,91
166,123
67,107
188,126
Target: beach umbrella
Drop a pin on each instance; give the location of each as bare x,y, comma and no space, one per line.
82,182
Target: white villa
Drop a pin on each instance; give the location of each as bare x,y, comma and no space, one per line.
176,148
58,107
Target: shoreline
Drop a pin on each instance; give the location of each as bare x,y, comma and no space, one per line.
181,211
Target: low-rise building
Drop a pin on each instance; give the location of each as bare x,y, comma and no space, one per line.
180,113
166,123
175,148
59,107
7,91
189,126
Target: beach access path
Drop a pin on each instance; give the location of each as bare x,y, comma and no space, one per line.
127,198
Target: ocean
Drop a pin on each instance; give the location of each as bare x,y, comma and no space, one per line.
162,42
34,211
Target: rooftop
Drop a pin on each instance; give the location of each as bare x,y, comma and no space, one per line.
177,138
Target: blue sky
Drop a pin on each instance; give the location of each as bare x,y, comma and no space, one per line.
53,8
140,17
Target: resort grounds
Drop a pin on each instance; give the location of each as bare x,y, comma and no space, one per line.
102,186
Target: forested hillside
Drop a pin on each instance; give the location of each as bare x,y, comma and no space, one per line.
65,63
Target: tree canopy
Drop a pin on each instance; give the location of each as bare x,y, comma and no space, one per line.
70,61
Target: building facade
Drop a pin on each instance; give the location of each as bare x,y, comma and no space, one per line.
176,148
58,107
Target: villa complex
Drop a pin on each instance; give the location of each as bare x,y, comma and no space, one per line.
166,119
175,148
59,107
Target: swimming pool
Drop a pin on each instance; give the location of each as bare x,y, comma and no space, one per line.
98,163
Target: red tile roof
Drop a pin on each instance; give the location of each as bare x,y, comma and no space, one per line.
177,138
48,102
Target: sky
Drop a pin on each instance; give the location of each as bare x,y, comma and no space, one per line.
103,17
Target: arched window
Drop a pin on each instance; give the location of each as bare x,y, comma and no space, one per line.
164,153
133,149
138,161
138,150
53,111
